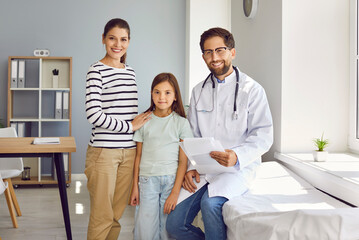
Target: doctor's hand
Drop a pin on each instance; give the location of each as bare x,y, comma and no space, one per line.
188,183
227,158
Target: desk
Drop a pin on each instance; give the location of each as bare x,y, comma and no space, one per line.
23,147
338,176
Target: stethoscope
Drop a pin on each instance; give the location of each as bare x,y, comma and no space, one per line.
210,76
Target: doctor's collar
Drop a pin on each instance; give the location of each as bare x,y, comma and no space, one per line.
231,77
220,81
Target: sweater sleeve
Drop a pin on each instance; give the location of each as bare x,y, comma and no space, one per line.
94,112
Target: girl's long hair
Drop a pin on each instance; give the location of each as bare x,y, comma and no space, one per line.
177,105
120,23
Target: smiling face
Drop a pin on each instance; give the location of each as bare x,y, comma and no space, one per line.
219,64
116,42
163,95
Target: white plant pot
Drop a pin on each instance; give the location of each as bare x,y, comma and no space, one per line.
320,156
55,81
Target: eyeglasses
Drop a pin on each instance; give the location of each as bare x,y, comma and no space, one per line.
220,51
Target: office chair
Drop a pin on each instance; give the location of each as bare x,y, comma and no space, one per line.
9,168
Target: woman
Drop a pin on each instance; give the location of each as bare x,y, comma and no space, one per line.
111,107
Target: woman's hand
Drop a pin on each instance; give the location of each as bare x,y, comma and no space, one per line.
170,203
140,120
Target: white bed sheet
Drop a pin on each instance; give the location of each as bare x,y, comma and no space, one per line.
281,205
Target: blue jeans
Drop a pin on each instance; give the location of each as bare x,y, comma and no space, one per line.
150,221
179,222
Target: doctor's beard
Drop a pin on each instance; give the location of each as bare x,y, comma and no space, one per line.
219,71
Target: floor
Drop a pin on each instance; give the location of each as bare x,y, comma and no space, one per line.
42,213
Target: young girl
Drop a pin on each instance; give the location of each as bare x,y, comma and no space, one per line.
111,108
160,164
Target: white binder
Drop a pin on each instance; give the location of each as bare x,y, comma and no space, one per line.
55,81
58,105
21,78
13,74
65,105
21,129
14,125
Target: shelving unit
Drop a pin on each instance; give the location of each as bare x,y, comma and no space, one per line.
33,107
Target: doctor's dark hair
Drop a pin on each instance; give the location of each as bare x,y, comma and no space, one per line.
217,32
120,23
177,105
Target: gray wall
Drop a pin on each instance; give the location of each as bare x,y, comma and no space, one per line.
300,55
74,28
259,54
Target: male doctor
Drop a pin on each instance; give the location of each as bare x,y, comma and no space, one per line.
232,108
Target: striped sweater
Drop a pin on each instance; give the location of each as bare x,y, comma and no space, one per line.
111,105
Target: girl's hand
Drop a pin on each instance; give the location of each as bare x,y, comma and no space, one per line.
170,203
140,120
188,183
135,199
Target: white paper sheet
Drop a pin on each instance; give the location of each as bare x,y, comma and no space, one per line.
197,151
51,140
185,194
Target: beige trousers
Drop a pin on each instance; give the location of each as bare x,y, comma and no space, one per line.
109,173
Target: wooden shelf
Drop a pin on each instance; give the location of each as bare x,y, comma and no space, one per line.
34,181
33,106
55,89
24,89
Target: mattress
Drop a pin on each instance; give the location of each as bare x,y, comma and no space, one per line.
281,205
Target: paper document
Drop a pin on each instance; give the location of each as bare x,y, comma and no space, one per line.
184,194
46,141
197,151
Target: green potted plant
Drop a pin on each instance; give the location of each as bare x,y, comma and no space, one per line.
320,154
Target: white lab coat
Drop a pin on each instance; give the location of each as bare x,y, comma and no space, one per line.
250,136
